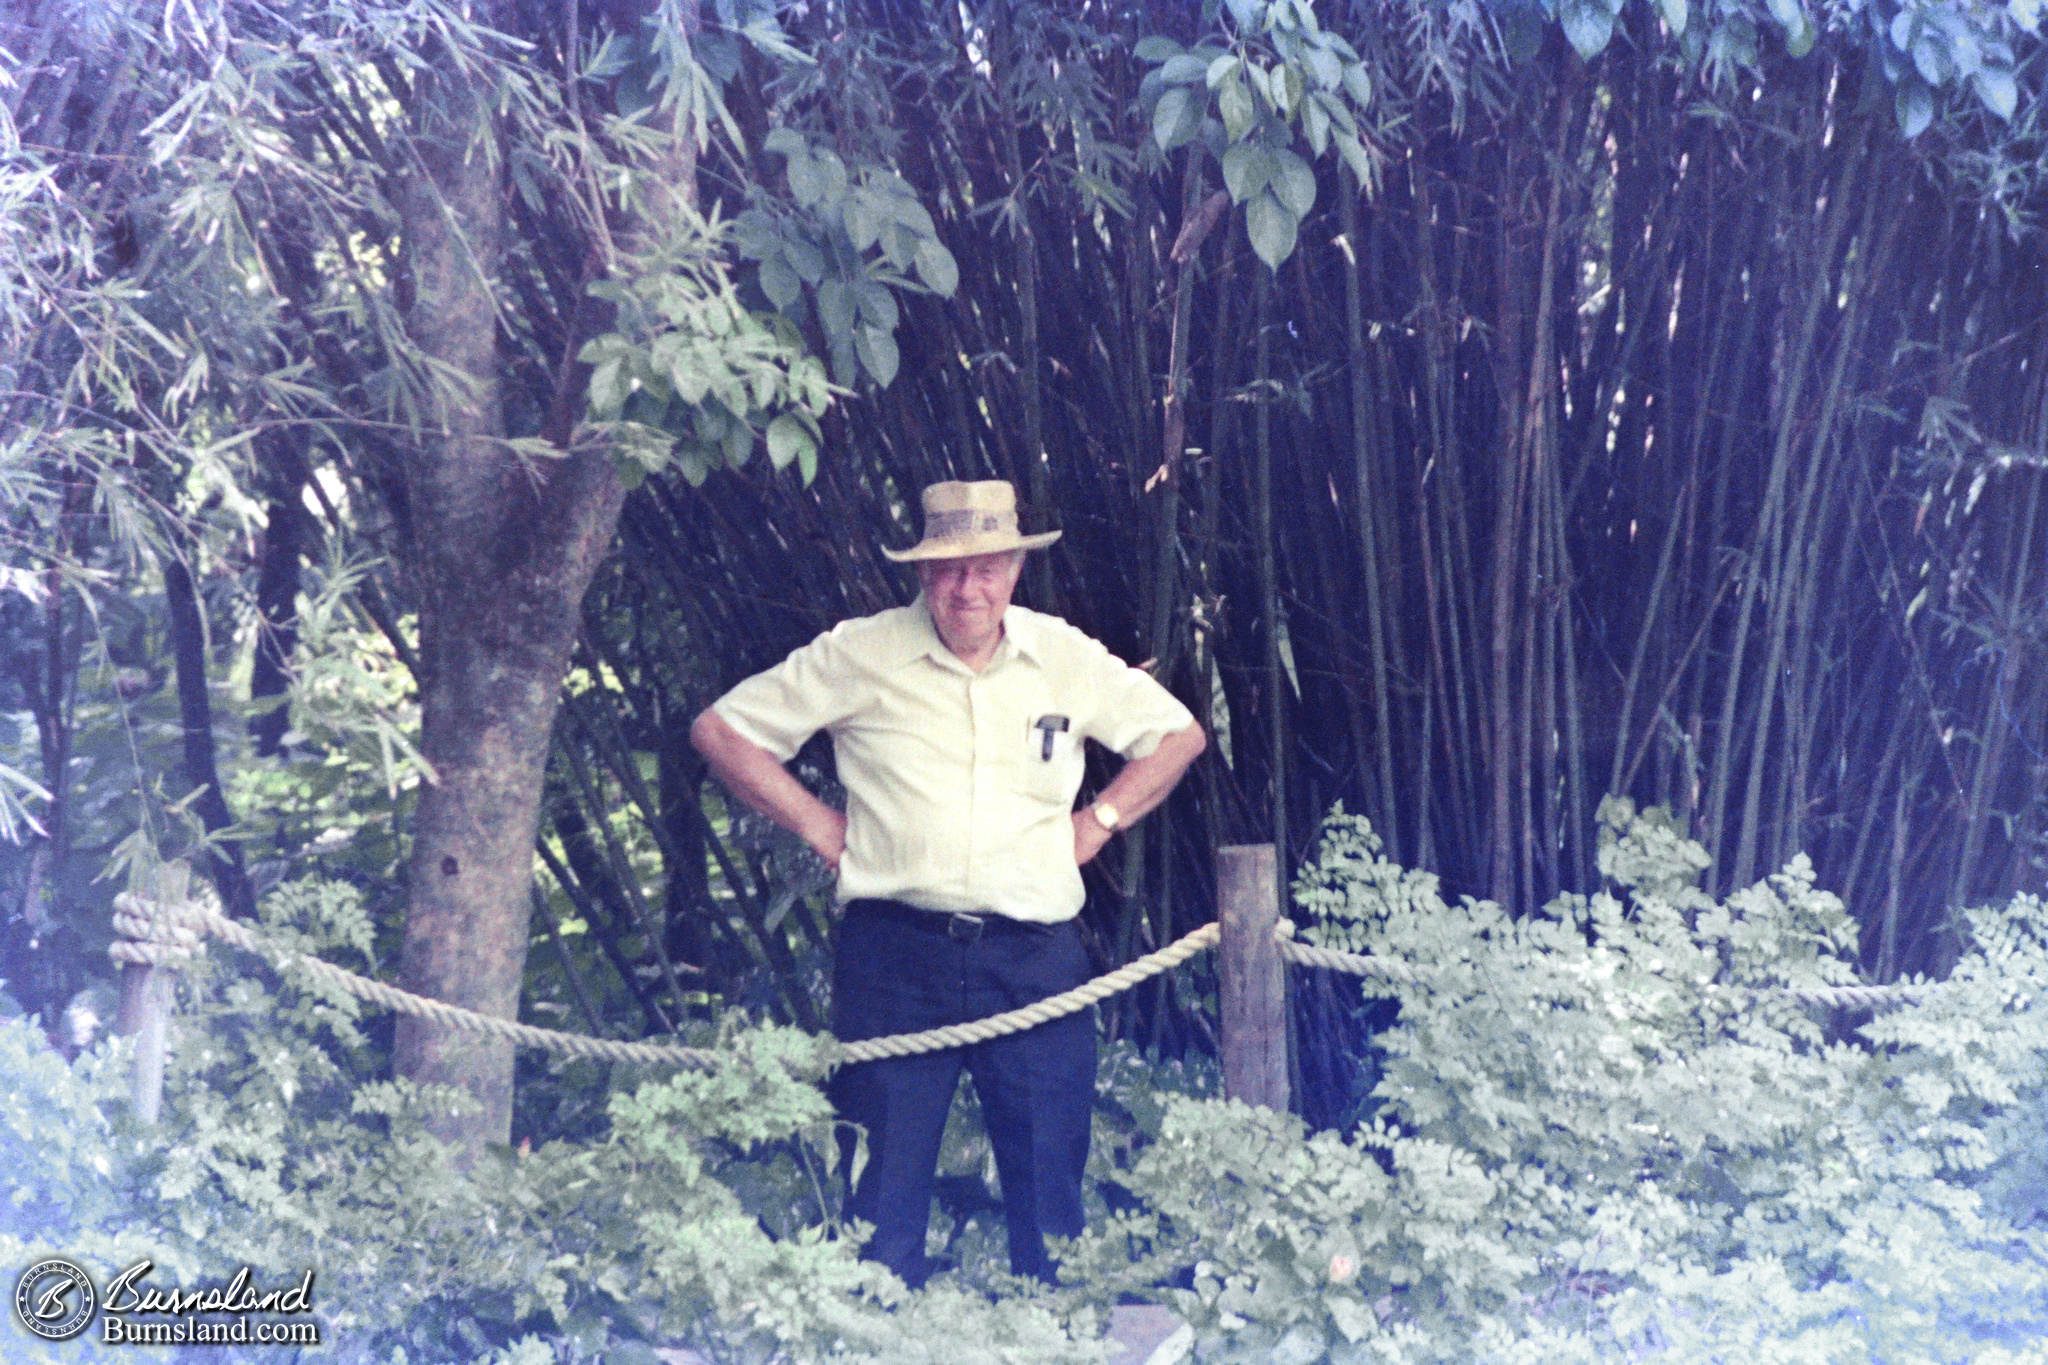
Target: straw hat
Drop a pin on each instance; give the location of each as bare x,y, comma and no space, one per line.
962,519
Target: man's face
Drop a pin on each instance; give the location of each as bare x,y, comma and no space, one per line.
968,596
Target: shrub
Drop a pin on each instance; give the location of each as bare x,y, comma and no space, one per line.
1611,1131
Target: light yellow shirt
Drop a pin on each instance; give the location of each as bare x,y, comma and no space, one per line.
956,798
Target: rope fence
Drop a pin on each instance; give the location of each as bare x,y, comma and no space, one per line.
158,934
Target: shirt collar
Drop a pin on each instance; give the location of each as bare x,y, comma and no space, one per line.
918,638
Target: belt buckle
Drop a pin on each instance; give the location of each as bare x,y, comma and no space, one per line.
966,928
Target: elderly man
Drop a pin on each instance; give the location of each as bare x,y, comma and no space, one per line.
958,724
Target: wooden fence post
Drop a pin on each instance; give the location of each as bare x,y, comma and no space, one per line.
1252,976
146,997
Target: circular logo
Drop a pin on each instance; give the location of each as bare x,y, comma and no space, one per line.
55,1299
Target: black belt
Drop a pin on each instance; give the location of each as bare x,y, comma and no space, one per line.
965,927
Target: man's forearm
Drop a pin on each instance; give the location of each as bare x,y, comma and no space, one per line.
1145,782
753,775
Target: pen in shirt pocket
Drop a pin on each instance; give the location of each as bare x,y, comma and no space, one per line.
1048,726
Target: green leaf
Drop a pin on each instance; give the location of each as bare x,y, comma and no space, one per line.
1355,156
608,388
1156,48
1234,103
788,141
1175,119
1675,14
779,282
863,224
805,259
878,355
876,304
1247,167
1295,183
936,267
1800,38
1222,69
1996,87
1358,84
1588,24
1315,121
1914,106
835,308
739,444
1185,69
806,181
788,438
1272,228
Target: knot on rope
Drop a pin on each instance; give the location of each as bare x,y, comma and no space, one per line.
155,933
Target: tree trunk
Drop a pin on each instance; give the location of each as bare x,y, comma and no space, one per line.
501,555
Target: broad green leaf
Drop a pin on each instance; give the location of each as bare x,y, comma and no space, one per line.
788,141
806,260
1588,24
1271,227
1243,13
1800,38
1914,106
807,462
1786,12
1222,69
1261,82
787,439
1315,121
877,305
1289,85
1996,87
1247,167
2026,13
1324,66
1294,183
863,225
1932,58
1903,24
1675,14
739,444
878,354
1234,103
608,388
1185,69
1358,84
806,180
936,267
1156,48
779,282
1170,118
835,308
1355,156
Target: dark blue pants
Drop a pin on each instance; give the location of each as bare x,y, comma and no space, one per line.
899,969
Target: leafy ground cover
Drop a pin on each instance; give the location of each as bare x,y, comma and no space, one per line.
1605,1132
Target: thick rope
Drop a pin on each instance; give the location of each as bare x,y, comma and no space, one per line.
144,922
1038,1012
1830,997
157,935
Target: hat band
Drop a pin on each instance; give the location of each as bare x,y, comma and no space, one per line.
965,522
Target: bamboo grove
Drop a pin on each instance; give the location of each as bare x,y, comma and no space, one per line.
1630,426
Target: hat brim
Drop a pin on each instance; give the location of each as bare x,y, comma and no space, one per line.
964,547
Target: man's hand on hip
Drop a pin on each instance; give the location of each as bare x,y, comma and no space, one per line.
1089,837
828,837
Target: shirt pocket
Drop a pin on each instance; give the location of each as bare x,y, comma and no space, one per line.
1049,757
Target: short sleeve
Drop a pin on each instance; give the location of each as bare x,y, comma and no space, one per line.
1128,710
784,706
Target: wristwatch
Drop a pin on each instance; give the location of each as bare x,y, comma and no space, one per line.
1106,815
